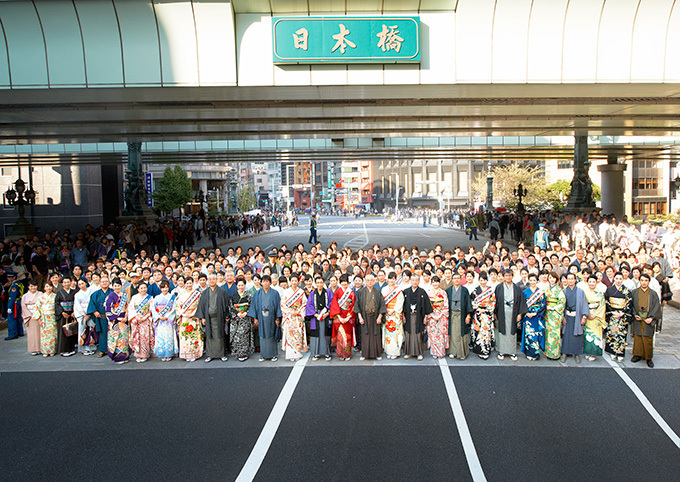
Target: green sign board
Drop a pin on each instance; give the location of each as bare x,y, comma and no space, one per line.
308,40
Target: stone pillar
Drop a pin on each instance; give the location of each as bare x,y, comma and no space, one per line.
489,192
613,187
136,209
581,198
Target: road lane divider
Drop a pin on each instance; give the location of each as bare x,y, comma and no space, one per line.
645,402
264,441
461,423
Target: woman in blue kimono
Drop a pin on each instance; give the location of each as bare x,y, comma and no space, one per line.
533,322
164,314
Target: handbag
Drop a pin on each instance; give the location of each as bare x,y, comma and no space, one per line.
424,336
70,329
279,333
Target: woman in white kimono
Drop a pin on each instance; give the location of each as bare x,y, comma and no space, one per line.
87,345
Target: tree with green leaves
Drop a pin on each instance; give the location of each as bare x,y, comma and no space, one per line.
173,190
246,199
540,197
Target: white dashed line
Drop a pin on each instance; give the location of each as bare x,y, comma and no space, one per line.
466,439
645,402
266,437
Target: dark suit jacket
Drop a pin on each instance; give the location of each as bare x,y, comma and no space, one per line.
222,310
519,307
360,307
465,309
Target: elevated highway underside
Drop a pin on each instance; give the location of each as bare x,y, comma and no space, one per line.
193,113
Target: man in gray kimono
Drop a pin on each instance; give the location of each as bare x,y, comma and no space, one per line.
510,307
265,309
647,314
575,315
213,309
460,315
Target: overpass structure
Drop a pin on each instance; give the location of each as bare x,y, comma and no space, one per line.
199,81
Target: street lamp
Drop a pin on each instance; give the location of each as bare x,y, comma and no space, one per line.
20,196
520,191
675,187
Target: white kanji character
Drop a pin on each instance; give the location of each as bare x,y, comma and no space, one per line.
389,38
342,42
300,37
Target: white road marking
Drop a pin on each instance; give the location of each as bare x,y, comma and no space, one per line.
466,439
268,247
266,437
341,226
645,402
426,235
358,242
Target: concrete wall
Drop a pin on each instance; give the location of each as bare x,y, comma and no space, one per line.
68,197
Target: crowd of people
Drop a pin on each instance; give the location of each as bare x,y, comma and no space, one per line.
553,298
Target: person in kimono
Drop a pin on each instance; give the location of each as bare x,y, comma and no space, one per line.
533,323
510,308
164,313
592,330
190,329
393,327
318,313
555,303
44,311
482,339
618,316
342,314
119,329
97,312
460,317
87,342
575,316
241,327
416,308
438,320
370,309
646,317
31,321
63,310
142,338
213,311
293,307
265,310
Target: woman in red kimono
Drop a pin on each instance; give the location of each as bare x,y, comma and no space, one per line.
341,312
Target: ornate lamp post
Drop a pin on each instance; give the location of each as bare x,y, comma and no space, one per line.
520,191
20,196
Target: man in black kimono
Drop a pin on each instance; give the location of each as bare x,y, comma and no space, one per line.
416,307
213,310
370,309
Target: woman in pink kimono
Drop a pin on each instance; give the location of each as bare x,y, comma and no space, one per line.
438,320
30,320
141,324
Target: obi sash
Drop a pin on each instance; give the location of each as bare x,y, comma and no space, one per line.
295,297
344,298
166,309
193,297
392,294
117,308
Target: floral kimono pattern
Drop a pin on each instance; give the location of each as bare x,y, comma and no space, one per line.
482,337
438,323
190,328
393,327
617,316
119,331
166,340
241,329
592,330
533,327
44,313
294,340
142,339
556,303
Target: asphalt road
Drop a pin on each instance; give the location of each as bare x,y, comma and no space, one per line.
359,233
342,423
